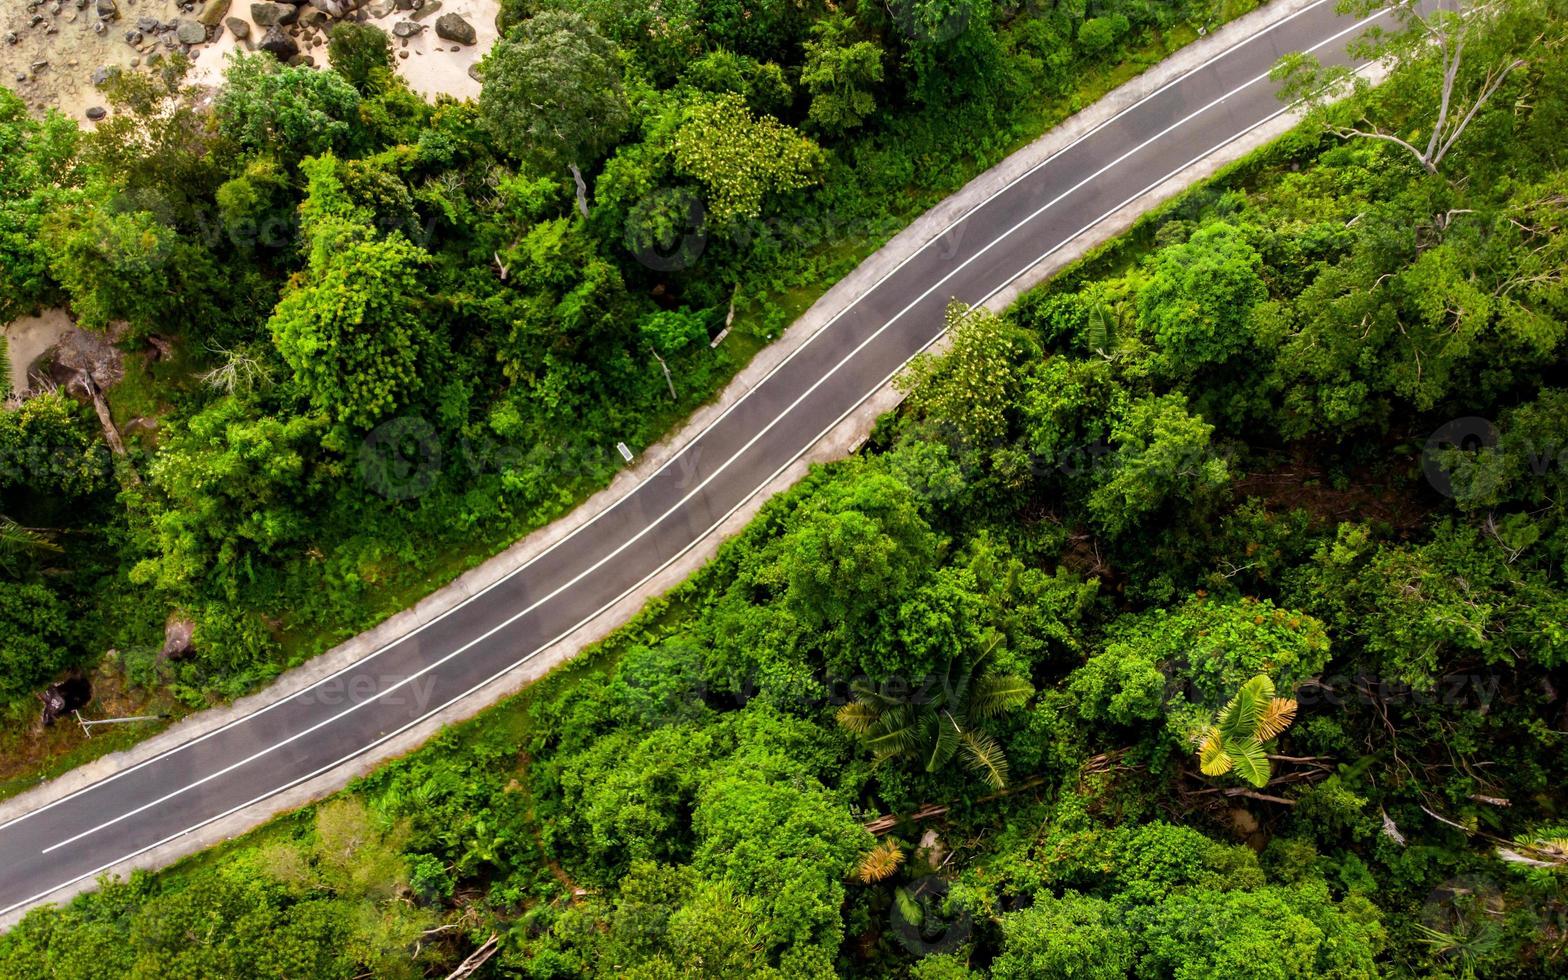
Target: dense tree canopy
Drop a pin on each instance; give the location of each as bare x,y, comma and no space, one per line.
1201,615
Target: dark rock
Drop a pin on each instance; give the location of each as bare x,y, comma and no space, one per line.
430,7
65,697
96,113
148,24
107,9
278,44
212,15
178,637
162,347
269,14
406,28
452,27
239,28
312,18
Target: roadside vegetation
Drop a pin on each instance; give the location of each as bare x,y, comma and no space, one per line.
1201,616
361,342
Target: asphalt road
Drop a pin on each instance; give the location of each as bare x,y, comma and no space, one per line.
852,356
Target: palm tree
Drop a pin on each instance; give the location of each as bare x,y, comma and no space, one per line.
1236,739
934,726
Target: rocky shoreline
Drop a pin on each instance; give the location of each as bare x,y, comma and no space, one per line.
56,53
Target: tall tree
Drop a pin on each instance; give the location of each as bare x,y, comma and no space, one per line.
354,328
552,92
741,158
839,73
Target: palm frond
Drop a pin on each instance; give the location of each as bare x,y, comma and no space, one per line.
984,756
1239,720
997,694
1212,757
1277,717
894,737
1252,763
945,743
18,542
857,717
880,862
868,692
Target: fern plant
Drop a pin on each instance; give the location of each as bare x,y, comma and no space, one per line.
936,726
1235,741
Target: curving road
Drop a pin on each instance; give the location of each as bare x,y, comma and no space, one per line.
854,354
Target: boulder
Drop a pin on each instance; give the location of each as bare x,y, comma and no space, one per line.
407,28
452,27
87,356
212,15
65,697
313,17
97,112
239,27
278,44
178,639
268,14
190,31
107,9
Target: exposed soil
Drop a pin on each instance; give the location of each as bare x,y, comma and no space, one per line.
1369,497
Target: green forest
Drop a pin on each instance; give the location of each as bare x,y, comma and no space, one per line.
369,340
1205,614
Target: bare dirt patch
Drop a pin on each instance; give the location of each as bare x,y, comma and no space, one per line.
28,339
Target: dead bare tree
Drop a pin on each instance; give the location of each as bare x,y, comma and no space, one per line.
1451,35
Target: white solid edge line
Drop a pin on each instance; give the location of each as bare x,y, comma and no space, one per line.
362,661
695,541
